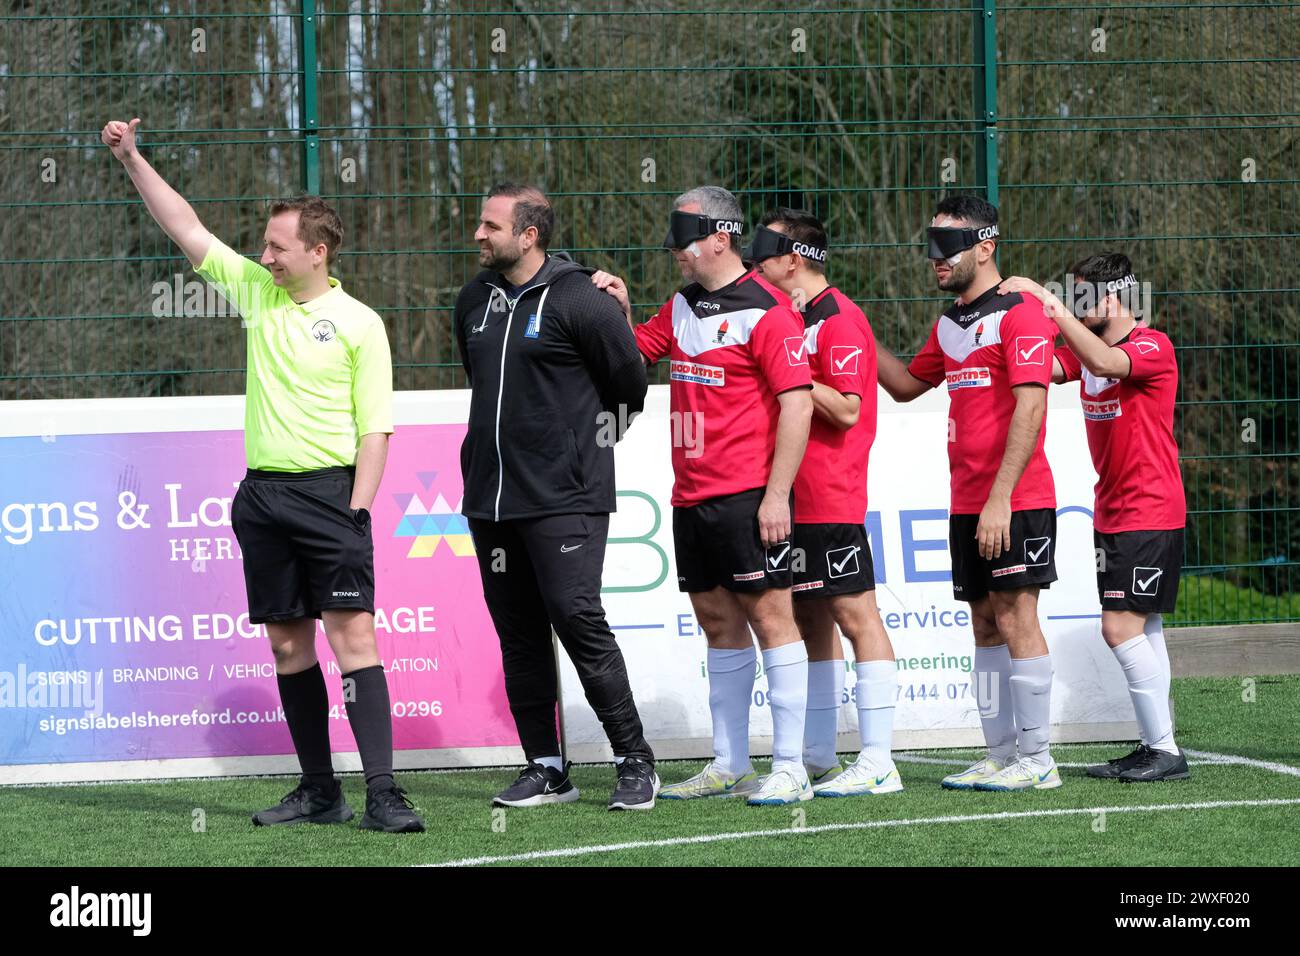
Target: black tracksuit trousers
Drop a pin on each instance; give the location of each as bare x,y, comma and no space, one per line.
540,573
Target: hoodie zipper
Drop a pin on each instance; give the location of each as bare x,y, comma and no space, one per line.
501,377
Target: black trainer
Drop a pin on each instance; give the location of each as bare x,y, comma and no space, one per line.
1155,766
307,804
536,785
1113,768
389,810
637,785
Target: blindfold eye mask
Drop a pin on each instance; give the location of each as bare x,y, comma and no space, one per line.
947,241
1084,297
688,227
768,243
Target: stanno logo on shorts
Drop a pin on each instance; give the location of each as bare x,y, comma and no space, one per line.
1101,411
1038,551
1146,581
969,378
347,594
680,371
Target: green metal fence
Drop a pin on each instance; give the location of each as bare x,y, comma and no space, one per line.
1166,130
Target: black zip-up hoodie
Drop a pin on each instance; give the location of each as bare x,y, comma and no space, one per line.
556,377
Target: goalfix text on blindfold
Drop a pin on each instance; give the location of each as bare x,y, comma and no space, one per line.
948,241
768,243
689,227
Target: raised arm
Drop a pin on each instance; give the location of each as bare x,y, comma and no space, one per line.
1102,360
168,208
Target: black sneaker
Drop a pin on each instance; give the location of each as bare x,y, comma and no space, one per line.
1156,765
389,810
537,785
1113,768
637,785
307,804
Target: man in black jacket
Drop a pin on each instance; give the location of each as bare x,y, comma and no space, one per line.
555,376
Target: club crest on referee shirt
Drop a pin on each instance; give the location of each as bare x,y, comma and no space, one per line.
323,331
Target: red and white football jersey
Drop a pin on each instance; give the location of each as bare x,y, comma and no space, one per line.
982,350
730,353
1130,424
831,487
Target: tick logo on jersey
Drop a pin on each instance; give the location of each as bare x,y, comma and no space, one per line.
842,562
722,332
796,350
1031,350
1038,551
1146,581
680,371
323,331
778,556
1101,411
1147,346
969,378
844,359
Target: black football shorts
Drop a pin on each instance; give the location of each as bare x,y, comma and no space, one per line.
304,550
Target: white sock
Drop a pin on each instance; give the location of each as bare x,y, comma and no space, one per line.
877,692
787,683
731,688
1155,632
1147,688
825,688
555,763
992,679
1031,695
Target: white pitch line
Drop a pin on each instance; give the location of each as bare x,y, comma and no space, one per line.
1245,762
569,852
911,758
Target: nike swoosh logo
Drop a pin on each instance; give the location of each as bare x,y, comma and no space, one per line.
1025,355
1144,585
880,780
565,549
844,563
1034,555
845,361
777,560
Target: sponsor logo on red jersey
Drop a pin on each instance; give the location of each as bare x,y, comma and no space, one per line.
1101,411
680,371
979,377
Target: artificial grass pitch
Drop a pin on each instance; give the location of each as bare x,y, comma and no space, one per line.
158,824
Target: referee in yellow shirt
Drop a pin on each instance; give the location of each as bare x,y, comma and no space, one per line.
316,424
